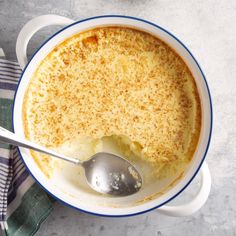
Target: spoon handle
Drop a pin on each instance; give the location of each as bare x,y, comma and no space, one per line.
8,137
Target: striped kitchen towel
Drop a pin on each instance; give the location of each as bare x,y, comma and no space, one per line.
23,204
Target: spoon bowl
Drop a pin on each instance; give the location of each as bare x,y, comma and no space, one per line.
110,174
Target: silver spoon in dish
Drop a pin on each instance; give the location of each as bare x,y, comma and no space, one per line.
105,172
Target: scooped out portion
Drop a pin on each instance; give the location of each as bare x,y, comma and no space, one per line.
114,83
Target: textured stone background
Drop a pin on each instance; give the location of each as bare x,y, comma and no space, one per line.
208,28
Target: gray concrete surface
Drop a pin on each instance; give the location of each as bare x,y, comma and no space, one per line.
208,29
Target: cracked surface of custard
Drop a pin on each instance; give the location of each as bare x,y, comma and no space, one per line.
118,82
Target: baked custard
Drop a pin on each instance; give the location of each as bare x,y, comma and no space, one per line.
118,83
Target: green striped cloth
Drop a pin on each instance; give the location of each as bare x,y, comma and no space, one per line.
23,204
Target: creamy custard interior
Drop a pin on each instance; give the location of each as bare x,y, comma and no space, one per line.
114,83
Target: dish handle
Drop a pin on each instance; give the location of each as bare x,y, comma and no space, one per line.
195,204
30,29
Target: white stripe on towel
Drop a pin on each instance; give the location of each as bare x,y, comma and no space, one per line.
8,94
29,181
5,153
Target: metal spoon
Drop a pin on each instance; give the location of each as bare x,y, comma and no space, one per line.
105,172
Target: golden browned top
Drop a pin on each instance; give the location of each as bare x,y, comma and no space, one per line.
115,81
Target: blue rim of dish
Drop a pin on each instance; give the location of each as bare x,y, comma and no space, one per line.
211,113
